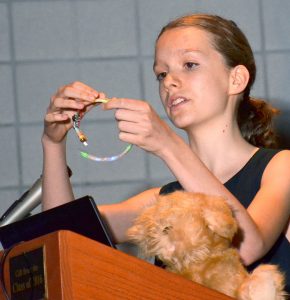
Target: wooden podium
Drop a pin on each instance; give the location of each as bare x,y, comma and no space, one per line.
76,267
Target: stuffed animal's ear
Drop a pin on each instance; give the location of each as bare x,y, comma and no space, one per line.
221,222
133,231
142,228
136,233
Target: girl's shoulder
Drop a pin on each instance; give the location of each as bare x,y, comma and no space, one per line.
279,167
281,158
273,156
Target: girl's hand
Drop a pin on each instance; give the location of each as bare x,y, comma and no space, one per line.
69,99
140,125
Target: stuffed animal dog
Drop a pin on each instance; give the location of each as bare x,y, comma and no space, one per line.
192,235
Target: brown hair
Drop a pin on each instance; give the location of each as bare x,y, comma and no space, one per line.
254,116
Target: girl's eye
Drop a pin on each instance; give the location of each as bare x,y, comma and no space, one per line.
190,65
160,76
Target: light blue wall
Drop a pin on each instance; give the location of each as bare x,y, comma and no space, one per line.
109,45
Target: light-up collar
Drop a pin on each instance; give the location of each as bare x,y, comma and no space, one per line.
83,139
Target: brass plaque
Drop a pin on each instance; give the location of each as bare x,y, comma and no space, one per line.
27,277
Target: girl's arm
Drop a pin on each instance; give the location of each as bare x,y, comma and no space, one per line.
63,105
120,216
140,125
56,185
267,216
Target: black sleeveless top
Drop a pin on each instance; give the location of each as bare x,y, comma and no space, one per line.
244,186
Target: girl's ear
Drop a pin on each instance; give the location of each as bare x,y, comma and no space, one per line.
238,80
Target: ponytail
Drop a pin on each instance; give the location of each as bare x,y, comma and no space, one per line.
255,119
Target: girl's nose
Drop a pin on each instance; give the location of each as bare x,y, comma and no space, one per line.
171,81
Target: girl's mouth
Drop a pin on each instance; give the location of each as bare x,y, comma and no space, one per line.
176,101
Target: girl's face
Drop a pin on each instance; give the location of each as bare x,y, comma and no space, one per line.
193,78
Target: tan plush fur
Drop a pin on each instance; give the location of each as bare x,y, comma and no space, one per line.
192,234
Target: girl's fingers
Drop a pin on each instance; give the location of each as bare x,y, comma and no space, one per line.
62,103
83,87
128,138
128,115
56,117
129,127
130,104
74,93
79,92
131,138
102,95
86,90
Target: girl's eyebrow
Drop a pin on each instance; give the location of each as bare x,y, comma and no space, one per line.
182,52
154,65
191,50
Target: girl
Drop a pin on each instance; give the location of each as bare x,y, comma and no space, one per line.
205,68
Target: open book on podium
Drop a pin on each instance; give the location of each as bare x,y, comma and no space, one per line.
65,265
